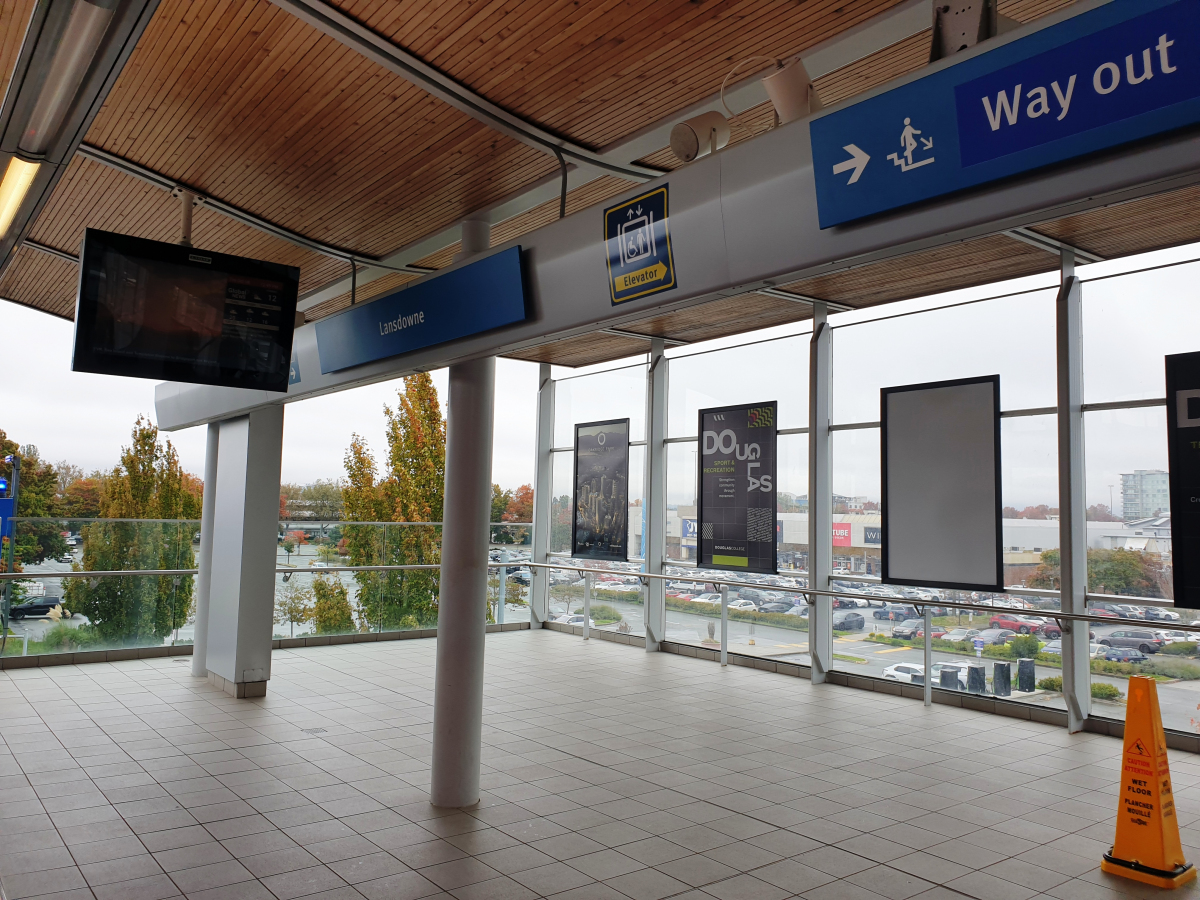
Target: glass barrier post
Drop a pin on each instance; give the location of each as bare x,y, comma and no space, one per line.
724,624
655,493
500,589
928,679
820,494
539,582
587,603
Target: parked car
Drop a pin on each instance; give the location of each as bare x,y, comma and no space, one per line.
996,636
1130,611
936,631
34,608
904,672
706,598
1049,629
960,667
960,634
743,604
1174,637
907,630
575,620
66,558
844,620
1014,622
1159,614
1055,648
775,606
800,609
1146,641
896,612
1125,654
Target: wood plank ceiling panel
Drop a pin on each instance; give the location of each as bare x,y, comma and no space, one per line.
41,281
720,318
966,264
602,70
14,19
583,350
1151,223
239,99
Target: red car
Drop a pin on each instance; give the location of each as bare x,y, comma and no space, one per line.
936,631
1013,622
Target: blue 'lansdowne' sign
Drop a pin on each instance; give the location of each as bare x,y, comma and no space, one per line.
478,297
1123,71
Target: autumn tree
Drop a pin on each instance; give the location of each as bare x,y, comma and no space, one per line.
520,506
1129,572
148,484
410,489
331,612
500,501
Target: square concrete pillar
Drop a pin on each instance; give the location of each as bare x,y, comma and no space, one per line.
245,539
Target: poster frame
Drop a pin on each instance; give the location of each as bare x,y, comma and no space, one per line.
612,557
700,414
1180,367
885,578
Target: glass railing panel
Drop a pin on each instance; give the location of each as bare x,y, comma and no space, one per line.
618,600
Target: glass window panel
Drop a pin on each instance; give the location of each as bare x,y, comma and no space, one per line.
561,508
637,484
1012,336
681,501
770,370
1029,471
615,394
792,498
1130,323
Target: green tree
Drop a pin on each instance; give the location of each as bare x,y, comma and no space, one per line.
1129,572
410,490
288,547
500,501
331,613
149,484
293,605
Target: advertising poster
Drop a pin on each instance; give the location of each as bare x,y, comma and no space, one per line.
737,488
600,529
1183,452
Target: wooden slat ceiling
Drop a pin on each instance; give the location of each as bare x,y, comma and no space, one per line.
14,16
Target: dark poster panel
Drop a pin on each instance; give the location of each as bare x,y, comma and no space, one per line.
1183,451
737,488
600,529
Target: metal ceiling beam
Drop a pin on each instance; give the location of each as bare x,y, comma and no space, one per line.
801,298
620,332
50,251
1051,245
246,218
333,22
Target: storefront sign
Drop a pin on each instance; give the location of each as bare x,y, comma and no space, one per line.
841,534
737,488
1183,452
600,529
872,535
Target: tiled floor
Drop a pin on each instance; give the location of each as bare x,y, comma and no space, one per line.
610,773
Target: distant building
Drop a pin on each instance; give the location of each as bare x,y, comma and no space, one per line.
1145,493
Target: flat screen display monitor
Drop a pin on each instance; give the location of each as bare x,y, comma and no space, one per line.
148,309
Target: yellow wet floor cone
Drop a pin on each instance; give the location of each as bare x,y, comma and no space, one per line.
1147,847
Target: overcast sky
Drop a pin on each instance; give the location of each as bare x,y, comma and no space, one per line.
1130,322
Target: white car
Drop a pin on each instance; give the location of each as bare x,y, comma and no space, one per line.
746,605
903,672
575,620
706,598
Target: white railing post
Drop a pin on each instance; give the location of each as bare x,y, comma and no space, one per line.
724,624
820,497
928,679
656,493
539,581
1072,524
587,605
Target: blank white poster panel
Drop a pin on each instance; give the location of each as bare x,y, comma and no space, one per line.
941,484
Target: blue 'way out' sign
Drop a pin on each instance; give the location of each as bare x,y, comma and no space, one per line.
1123,71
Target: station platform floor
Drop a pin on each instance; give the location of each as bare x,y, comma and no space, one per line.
610,774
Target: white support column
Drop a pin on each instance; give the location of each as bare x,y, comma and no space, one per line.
539,590
820,496
1072,523
245,529
462,598
656,493
204,563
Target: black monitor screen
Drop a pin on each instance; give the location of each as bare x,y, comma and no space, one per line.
148,309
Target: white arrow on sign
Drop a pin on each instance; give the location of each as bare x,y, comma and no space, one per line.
858,161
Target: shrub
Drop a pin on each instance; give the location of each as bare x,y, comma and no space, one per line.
1173,668
1054,683
1180,648
603,614
1102,690
331,612
1025,646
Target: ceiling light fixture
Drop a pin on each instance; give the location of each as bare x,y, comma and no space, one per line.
17,179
